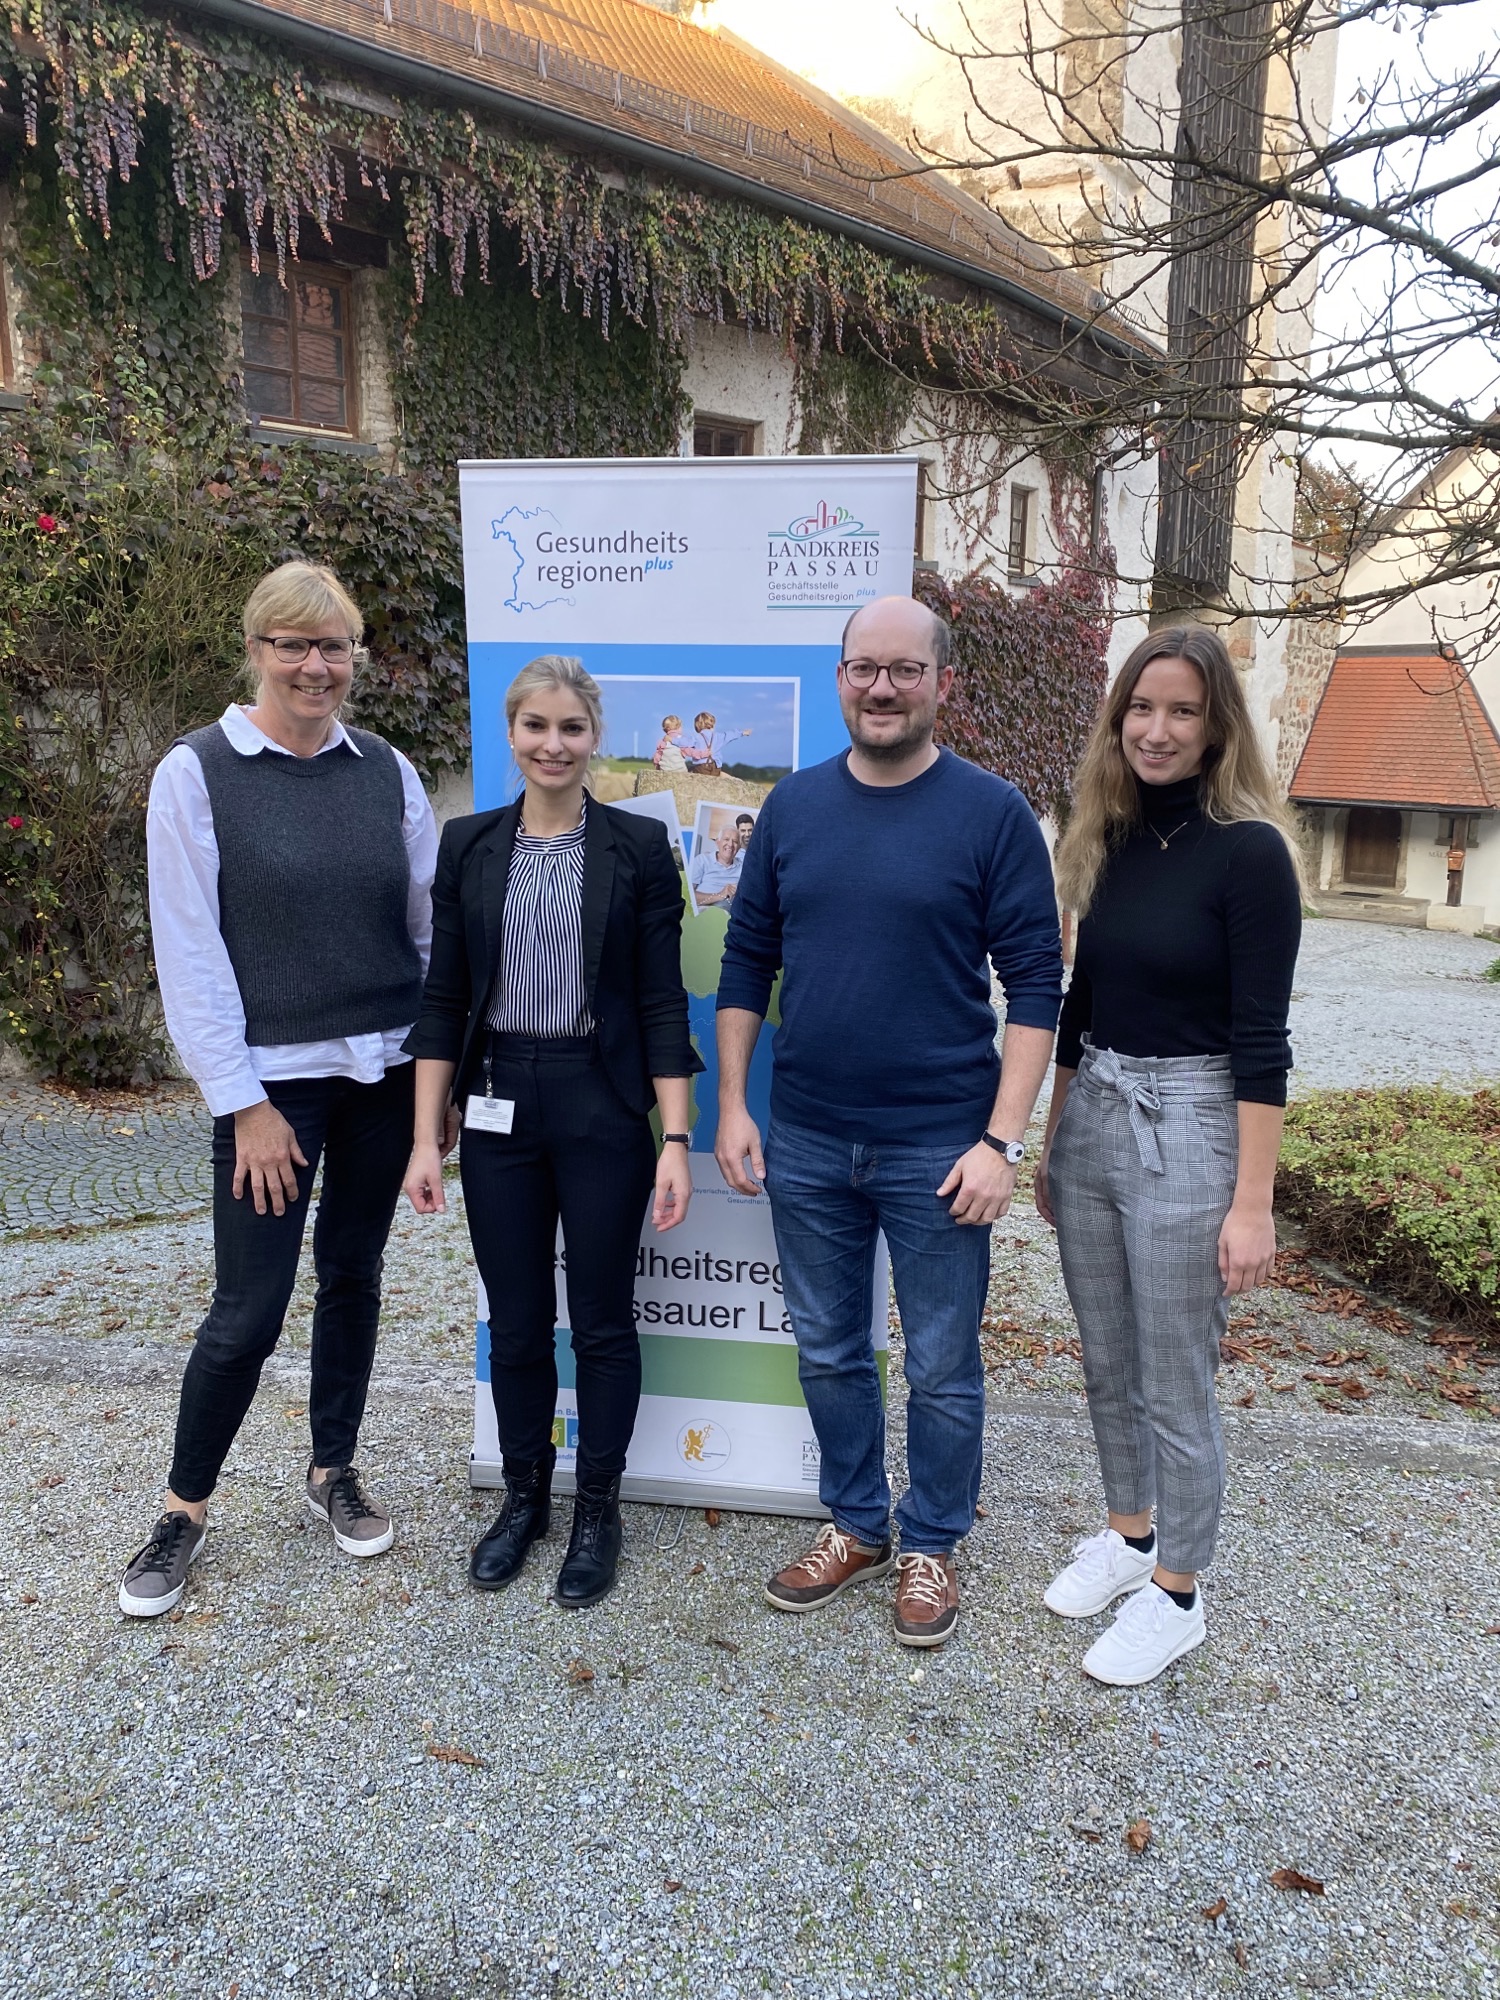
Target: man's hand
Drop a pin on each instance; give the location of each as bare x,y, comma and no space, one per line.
1247,1248
982,1183
266,1157
738,1140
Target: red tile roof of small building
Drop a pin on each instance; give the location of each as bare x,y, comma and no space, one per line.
1400,729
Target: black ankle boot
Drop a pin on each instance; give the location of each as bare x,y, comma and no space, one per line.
588,1571
524,1519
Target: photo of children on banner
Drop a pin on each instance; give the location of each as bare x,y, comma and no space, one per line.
677,753
720,836
687,735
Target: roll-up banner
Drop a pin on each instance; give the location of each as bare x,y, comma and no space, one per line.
708,598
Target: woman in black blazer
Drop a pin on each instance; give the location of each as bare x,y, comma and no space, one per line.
555,1017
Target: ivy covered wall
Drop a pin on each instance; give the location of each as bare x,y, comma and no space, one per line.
532,305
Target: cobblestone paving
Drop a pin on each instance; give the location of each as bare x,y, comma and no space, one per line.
1372,1004
69,1163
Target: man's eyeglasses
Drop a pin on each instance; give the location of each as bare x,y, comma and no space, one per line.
335,651
902,674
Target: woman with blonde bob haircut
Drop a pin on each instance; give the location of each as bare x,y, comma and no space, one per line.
1160,1154
556,1017
290,861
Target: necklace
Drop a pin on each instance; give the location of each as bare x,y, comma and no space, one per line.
1165,843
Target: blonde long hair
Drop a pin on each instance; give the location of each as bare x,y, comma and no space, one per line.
1236,781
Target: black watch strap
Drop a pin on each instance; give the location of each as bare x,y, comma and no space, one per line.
675,1139
1013,1149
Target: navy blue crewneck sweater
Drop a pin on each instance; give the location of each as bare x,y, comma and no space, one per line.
1190,950
884,906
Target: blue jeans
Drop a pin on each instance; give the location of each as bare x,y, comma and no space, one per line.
829,1201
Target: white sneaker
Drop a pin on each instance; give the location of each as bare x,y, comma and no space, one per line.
1102,1567
1148,1634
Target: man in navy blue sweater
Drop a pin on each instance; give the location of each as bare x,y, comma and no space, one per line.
882,885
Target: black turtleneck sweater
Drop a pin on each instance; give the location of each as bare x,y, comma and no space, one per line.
1190,951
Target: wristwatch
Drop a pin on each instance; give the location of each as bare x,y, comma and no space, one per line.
675,1139
1013,1149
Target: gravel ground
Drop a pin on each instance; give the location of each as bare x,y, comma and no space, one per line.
1374,1003
334,1779
328,1778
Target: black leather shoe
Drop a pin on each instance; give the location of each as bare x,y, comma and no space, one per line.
588,1571
499,1555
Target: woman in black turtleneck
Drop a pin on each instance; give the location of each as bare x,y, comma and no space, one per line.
1160,1155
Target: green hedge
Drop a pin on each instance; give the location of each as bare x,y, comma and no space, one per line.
1402,1188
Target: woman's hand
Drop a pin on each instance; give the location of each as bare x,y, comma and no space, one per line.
674,1187
452,1126
423,1186
1042,1188
266,1157
1247,1248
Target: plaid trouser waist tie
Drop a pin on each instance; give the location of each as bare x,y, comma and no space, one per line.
1106,1072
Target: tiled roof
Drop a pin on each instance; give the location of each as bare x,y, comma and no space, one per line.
631,71
1400,729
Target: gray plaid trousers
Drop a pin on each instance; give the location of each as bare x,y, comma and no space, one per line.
1141,1176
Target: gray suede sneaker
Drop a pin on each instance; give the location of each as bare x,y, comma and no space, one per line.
361,1526
157,1573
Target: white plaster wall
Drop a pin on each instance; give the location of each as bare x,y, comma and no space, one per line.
1427,867
748,377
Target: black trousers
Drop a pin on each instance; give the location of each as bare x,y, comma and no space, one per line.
577,1153
363,1133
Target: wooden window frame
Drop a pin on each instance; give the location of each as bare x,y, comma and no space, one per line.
724,427
7,358
1020,554
922,525
319,274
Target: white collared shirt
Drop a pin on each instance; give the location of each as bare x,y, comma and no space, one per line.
199,992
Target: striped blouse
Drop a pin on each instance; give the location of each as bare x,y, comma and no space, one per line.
539,988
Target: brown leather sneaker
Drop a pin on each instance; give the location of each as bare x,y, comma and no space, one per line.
832,1563
926,1599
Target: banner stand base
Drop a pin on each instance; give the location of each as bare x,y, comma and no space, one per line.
487,1473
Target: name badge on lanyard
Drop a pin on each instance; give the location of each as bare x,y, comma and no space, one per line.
489,1113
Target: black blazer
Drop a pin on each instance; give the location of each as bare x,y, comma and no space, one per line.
632,947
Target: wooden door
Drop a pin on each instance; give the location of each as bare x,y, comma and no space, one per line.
1372,846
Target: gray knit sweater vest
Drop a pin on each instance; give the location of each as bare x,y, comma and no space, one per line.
313,884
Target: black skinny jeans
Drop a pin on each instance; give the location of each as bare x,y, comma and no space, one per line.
575,1152
362,1132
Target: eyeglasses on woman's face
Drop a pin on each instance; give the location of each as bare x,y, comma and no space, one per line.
903,675
337,652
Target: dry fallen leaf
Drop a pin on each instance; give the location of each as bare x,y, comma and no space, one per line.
113,1323
1138,1835
696,1570
27,1598
671,1887
1293,1878
1215,1910
724,1645
580,1673
450,1753
52,1479
1086,1832
711,1515
1241,1956
981,1513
